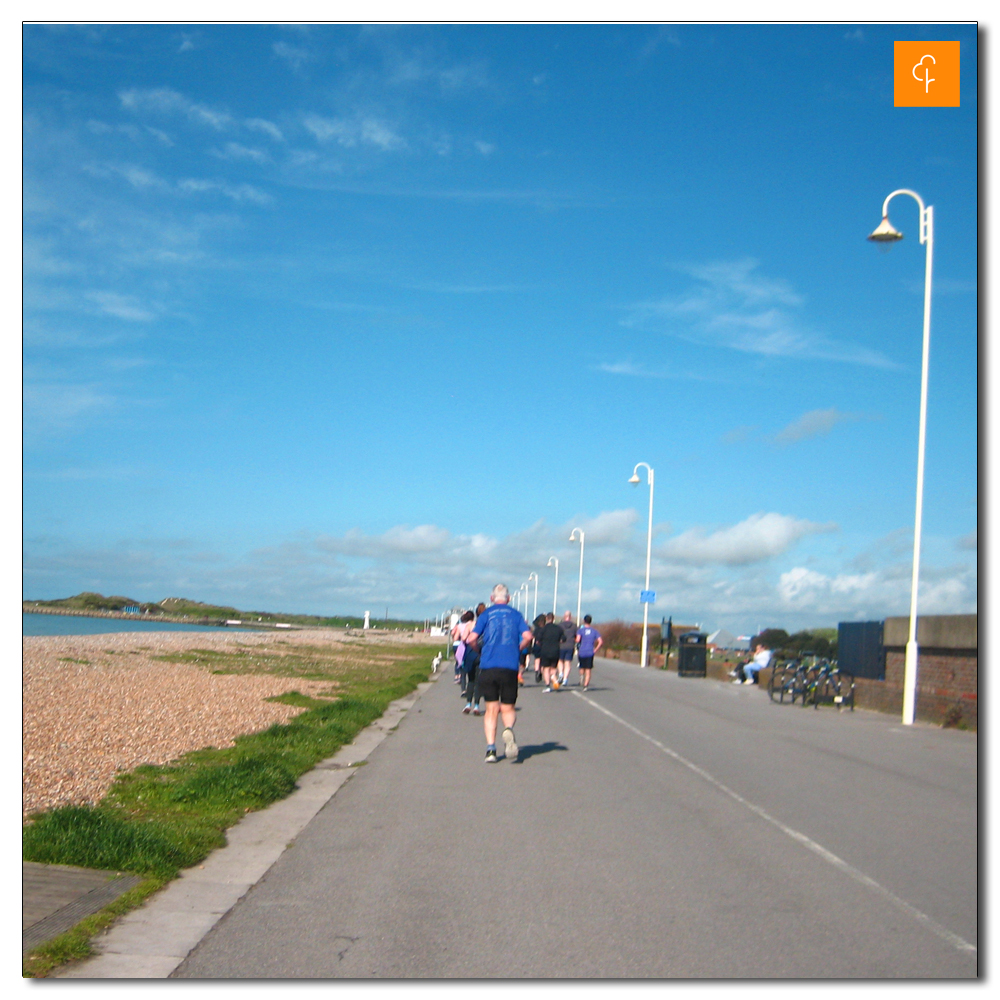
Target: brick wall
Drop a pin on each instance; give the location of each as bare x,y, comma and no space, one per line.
947,681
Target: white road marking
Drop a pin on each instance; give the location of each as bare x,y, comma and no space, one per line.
932,925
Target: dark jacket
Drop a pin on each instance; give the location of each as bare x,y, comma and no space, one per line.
549,641
568,630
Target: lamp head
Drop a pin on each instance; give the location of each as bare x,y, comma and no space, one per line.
885,232
635,479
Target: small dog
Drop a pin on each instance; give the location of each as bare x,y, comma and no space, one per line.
435,663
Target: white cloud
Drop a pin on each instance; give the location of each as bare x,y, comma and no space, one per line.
269,128
610,528
293,55
633,370
628,368
733,305
120,306
761,536
742,278
238,192
51,407
486,148
354,132
163,100
161,135
878,593
236,151
418,570
141,178
812,424
421,67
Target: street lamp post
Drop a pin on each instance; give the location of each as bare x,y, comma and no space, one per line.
579,588
885,233
526,589
535,612
649,547
555,589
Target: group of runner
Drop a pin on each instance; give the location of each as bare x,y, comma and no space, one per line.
492,646
553,646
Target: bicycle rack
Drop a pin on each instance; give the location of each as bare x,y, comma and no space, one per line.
832,689
828,687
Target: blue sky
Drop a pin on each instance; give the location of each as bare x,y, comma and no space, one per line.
342,318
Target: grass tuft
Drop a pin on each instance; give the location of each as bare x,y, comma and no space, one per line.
92,837
253,781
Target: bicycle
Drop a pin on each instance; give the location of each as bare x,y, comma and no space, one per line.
788,681
827,684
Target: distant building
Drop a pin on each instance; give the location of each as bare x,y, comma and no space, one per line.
723,639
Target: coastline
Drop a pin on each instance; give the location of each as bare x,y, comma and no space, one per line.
29,608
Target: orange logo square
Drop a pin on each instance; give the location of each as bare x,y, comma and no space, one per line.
925,74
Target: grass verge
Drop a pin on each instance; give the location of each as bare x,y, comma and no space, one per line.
158,819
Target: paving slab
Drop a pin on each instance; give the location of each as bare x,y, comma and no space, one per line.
55,898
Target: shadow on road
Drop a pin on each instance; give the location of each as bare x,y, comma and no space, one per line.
530,751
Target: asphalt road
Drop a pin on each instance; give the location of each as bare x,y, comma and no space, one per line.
655,827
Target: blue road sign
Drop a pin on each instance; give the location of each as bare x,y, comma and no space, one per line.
647,596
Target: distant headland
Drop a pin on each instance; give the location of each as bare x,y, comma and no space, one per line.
184,610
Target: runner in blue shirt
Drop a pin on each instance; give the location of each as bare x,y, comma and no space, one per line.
590,641
500,633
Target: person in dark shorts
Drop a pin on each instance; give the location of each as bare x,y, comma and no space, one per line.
500,634
589,642
548,650
566,647
536,646
471,665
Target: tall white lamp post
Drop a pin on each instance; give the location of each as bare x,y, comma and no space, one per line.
885,233
555,589
579,588
526,588
535,612
649,546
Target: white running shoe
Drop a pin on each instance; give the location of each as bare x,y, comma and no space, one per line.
510,747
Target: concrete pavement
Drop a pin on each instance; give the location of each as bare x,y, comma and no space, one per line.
55,898
656,827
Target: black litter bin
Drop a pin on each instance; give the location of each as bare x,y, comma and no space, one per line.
692,654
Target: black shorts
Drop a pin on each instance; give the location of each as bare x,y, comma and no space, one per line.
498,684
586,663
566,654
549,661
523,657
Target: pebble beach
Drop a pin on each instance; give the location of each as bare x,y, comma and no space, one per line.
94,705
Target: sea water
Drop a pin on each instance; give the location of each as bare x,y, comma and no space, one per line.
84,625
